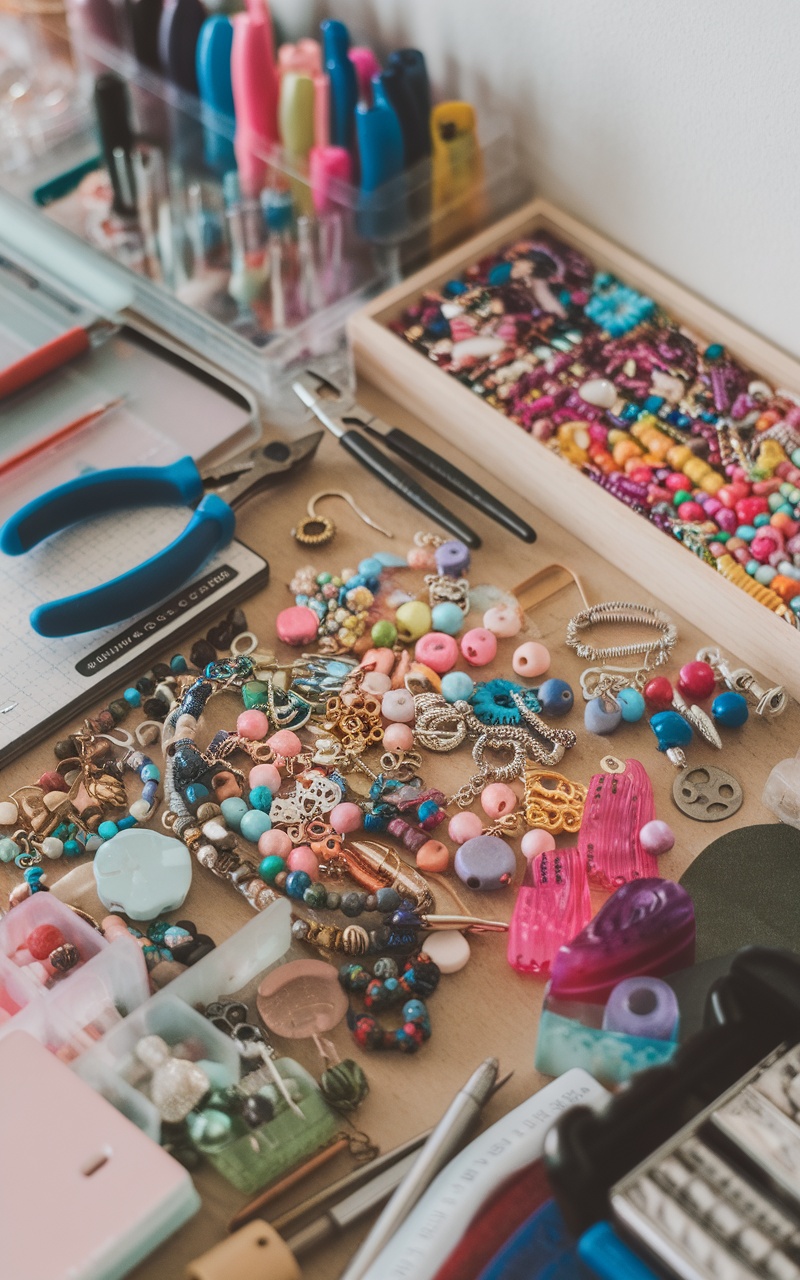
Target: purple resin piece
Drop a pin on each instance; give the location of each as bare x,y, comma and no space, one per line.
646,927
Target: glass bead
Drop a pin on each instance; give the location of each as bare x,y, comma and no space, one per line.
133,697
385,968
296,884
270,867
150,773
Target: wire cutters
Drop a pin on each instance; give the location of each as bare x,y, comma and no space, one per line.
101,493
346,419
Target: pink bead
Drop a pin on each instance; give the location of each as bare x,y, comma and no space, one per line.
297,625
464,826
690,511
503,620
376,682
498,799
712,506
536,842
674,482
265,775
421,558
479,647
114,927
726,520
530,659
381,660
398,704
656,837
253,725
642,475
303,859
345,817
437,651
748,508
285,743
274,842
398,737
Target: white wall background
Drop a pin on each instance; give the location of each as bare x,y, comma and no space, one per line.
671,125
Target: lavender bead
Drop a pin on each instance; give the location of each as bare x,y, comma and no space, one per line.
642,1007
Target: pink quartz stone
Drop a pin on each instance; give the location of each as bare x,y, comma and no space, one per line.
345,817
464,826
285,743
253,725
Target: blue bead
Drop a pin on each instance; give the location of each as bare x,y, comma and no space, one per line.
133,697
107,830
195,794
761,520
150,773
500,273
253,824
601,718
414,1009
370,568
389,560
177,663
296,884
150,791
752,567
126,822
631,705
714,351
447,617
653,403
671,730
746,532
427,809
730,709
261,798
73,850
233,810
455,287
556,697
457,686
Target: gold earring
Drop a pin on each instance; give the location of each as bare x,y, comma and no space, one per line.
315,530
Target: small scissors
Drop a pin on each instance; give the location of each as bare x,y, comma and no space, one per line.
104,492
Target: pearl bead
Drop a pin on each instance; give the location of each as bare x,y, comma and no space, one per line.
530,659
498,799
537,841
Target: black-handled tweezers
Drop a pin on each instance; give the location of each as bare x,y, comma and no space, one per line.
349,424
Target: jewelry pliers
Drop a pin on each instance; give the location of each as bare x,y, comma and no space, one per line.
212,490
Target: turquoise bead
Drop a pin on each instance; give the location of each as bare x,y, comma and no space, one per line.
714,351
746,532
107,830
124,823
794,604
447,617
133,697
390,560
73,850
671,730
370,568
8,849
761,520
785,509
764,574
260,798
752,566
177,663
233,810
457,686
631,704
271,867
730,709
195,794
795,457
150,773
253,824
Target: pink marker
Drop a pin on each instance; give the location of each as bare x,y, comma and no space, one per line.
367,66
326,164
255,94
304,58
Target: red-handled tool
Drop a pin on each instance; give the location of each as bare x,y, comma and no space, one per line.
59,351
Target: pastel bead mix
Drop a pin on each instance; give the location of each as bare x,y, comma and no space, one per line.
479,646
485,863
531,659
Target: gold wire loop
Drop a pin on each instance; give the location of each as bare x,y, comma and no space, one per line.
315,530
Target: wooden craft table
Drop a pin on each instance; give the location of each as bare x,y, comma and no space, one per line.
487,1008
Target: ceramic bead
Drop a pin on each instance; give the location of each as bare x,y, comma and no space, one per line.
437,650
265,775
346,817
452,558
658,693
457,686
233,810
556,697
274,842
537,841
297,625
730,709
479,647
485,863
398,737
671,730
225,785
398,705
631,704
447,617
656,837
413,620
601,716
433,857
503,620
464,826
252,725
530,659
253,825
498,799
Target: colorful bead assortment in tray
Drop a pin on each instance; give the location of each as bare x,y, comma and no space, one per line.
669,423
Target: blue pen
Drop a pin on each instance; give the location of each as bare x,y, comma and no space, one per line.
213,65
541,1249
343,82
609,1257
382,208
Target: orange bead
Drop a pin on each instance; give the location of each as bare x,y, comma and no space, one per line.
767,419
433,857
624,450
786,588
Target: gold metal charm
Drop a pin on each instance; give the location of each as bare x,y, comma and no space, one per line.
552,802
315,530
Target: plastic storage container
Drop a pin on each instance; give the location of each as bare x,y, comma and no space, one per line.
202,264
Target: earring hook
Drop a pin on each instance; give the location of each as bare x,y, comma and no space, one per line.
350,500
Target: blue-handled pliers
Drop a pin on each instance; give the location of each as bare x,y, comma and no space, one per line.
104,492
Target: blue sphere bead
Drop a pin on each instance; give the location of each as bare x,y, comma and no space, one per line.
631,704
233,810
601,718
746,532
261,798
370,568
253,824
730,709
177,663
414,1009
447,617
556,697
457,686
133,697
671,730
150,773
107,830
761,520
296,884
73,850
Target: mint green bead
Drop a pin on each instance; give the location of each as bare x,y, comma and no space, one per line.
774,500
764,574
255,696
384,634
457,686
253,824
794,604
447,617
795,457
8,849
271,867
233,810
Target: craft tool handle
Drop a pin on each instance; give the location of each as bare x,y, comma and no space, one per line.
458,482
376,462
209,530
99,493
44,360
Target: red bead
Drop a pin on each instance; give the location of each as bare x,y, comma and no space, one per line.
748,508
691,511
52,781
44,939
658,693
696,680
